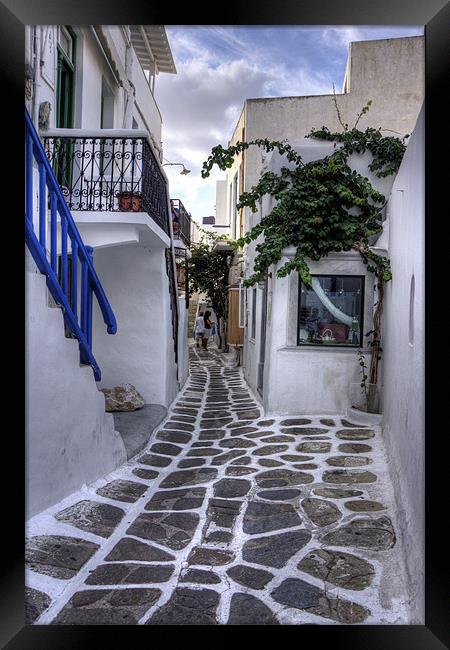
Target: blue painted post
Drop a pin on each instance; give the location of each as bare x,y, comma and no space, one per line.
84,285
64,265
29,177
90,252
42,206
74,288
53,227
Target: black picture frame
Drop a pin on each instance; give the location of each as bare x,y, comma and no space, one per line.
14,14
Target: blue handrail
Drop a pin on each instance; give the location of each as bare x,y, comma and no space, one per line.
51,200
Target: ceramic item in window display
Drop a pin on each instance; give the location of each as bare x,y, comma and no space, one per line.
327,336
354,330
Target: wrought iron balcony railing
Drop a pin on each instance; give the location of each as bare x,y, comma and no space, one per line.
108,170
181,222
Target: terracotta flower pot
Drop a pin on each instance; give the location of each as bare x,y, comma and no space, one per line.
130,202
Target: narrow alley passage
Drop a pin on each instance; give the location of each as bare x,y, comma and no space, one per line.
227,517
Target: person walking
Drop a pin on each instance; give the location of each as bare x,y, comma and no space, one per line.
206,330
199,328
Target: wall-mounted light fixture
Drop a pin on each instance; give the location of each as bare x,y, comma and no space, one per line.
183,172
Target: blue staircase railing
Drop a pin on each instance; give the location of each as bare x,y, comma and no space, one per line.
64,289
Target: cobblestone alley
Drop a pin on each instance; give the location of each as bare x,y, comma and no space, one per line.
226,517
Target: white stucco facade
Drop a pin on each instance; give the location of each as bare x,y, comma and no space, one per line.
403,358
141,353
221,208
183,350
388,72
293,378
70,438
105,66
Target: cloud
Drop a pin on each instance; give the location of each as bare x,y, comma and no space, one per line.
337,36
200,106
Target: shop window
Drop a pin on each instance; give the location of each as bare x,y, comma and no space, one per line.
330,312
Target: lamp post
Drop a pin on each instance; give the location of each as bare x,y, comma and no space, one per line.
183,172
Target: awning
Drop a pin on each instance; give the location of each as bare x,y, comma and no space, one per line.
152,47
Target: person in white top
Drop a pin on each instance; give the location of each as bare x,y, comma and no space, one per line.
199,328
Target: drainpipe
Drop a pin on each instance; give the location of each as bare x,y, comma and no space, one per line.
36,67
102,49
128,85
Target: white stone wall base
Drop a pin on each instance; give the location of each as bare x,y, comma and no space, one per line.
361,417
70,440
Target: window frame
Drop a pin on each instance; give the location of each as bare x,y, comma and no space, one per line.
362,312
70,66
65,104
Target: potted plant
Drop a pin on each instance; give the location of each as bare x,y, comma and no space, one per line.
130,201
364,397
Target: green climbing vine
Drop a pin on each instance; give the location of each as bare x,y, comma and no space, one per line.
322,206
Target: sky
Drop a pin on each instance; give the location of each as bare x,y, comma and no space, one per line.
218,67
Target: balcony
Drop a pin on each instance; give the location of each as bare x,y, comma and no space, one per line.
109,171
181,222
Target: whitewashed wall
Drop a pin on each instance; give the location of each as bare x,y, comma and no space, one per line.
221,203
46,74
183,350
70,440
91,66
146,111
403,369
307,379
389,72
301,379
141,353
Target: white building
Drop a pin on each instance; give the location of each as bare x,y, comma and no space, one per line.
390,72
287,374
403,381
90,95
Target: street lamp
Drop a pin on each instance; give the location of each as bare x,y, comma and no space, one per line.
183,172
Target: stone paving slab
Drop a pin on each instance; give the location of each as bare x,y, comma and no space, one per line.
36,602
107,607
58,556
227,517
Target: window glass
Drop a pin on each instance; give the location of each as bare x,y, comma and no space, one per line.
331,311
